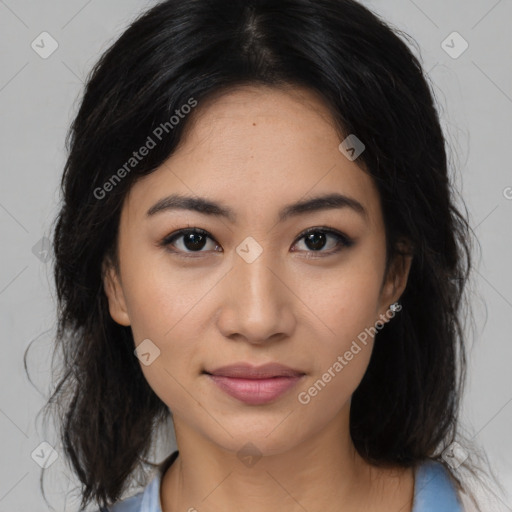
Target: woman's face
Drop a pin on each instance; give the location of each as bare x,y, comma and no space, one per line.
255,289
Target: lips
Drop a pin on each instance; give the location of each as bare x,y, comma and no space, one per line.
247,371
255,385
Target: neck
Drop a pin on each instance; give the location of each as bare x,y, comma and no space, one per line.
321,473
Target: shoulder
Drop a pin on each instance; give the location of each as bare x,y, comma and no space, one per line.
148,500
131,504
434,489
144,501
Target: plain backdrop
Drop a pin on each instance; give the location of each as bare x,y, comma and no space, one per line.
38,98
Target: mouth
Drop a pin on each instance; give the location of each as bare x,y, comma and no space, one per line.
255,385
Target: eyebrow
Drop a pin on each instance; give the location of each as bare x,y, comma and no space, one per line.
208,207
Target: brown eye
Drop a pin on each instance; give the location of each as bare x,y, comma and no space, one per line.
316,239
190,240
194,240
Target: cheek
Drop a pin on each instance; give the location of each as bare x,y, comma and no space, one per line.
345,302
159,295
163,309
342,355
345,308
327,394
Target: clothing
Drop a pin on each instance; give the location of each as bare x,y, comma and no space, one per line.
433,491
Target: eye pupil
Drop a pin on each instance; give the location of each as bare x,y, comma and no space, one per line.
197,239
315,240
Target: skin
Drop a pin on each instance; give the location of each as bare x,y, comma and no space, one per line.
255,150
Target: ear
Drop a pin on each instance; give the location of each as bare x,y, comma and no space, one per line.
114,292
396,279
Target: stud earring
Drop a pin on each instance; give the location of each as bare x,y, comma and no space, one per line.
395,307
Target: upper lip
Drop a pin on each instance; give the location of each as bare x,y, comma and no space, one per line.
248,371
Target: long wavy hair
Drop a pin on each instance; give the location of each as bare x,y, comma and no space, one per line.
406,407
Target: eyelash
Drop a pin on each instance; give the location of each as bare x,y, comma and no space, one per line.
343,241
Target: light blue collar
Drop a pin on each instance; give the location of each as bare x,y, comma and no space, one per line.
434,490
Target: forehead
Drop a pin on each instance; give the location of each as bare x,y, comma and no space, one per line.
259,110
257,148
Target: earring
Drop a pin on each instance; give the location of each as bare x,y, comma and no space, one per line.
396,306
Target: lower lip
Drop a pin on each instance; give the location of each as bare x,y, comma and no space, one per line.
255,391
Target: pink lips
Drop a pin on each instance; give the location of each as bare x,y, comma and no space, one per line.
255,385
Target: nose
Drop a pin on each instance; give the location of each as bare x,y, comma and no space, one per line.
257,303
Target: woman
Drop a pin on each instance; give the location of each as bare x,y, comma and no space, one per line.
258,240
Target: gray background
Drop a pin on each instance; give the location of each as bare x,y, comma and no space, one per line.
38,98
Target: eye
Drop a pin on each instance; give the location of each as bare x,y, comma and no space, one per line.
317,239
192,240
